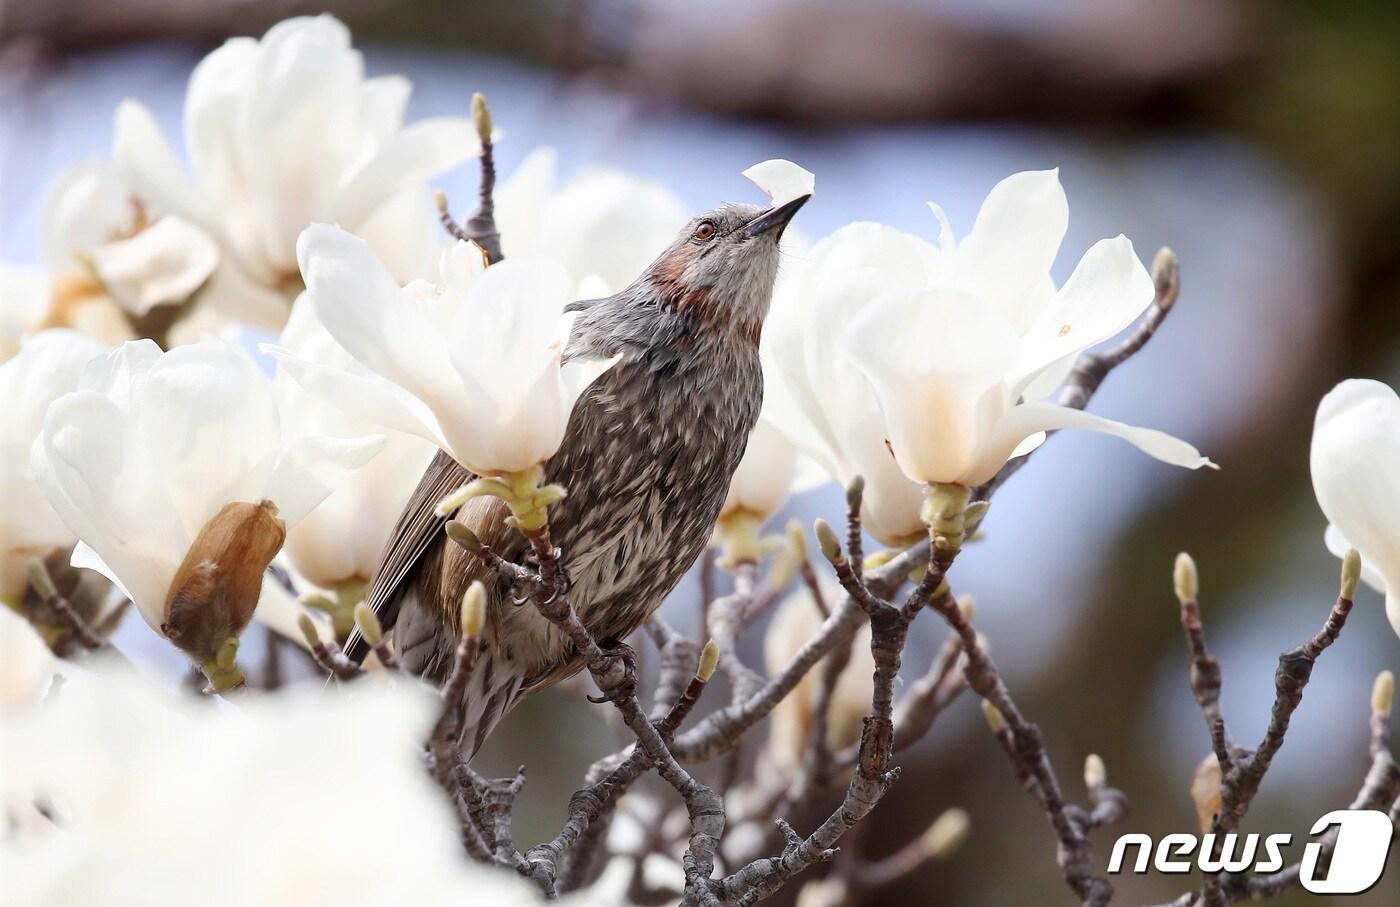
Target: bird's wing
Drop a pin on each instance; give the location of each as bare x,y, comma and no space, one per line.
418,526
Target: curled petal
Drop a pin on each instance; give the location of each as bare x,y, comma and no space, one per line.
1107,291
781,180
1022,422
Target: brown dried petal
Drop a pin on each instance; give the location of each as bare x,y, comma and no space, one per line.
217,586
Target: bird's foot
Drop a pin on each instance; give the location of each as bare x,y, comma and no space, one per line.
562,581
625,686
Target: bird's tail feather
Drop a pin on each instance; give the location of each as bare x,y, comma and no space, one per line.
492,690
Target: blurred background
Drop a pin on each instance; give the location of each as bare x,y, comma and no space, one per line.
1258,140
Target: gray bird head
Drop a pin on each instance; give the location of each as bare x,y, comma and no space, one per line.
722,266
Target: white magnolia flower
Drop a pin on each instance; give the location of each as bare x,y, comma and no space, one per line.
1356,476
47,367
764,479
339,542
175,471
283,132
105,261
473,364
794,624
606,226
95,227
947,352
166,801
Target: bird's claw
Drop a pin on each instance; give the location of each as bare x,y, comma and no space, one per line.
626,687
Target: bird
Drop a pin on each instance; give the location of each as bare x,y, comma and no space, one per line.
647,456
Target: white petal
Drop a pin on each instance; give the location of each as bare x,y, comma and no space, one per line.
1006,258
150,167
367,313
98,480
85,558
936,360
164,263
280,611
781,180
763,479
1108,290
213,116
947,240
520,202
366,397
414,154
312,468
1021,422
88,205
208,423
1355,448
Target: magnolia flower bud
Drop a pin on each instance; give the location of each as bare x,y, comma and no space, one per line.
1351,574
1185,580
481,117
309,631
827,540
797,540
1383,693
1095,773
947,833
474,610
994,718
369,625
709,660
1205,791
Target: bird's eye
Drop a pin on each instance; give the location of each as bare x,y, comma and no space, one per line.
705,231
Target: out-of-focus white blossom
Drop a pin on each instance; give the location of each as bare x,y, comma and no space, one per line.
764,479
473,364
177,475
105,261
946,353
47,367
606,226
794,624
339,541
26,664
295,798
283,132
95,226
782,180
1356,476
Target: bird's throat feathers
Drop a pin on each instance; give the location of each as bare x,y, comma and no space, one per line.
705,305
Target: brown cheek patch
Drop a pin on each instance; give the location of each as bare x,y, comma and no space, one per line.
699,303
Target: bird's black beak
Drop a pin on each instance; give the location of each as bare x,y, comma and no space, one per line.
774,219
